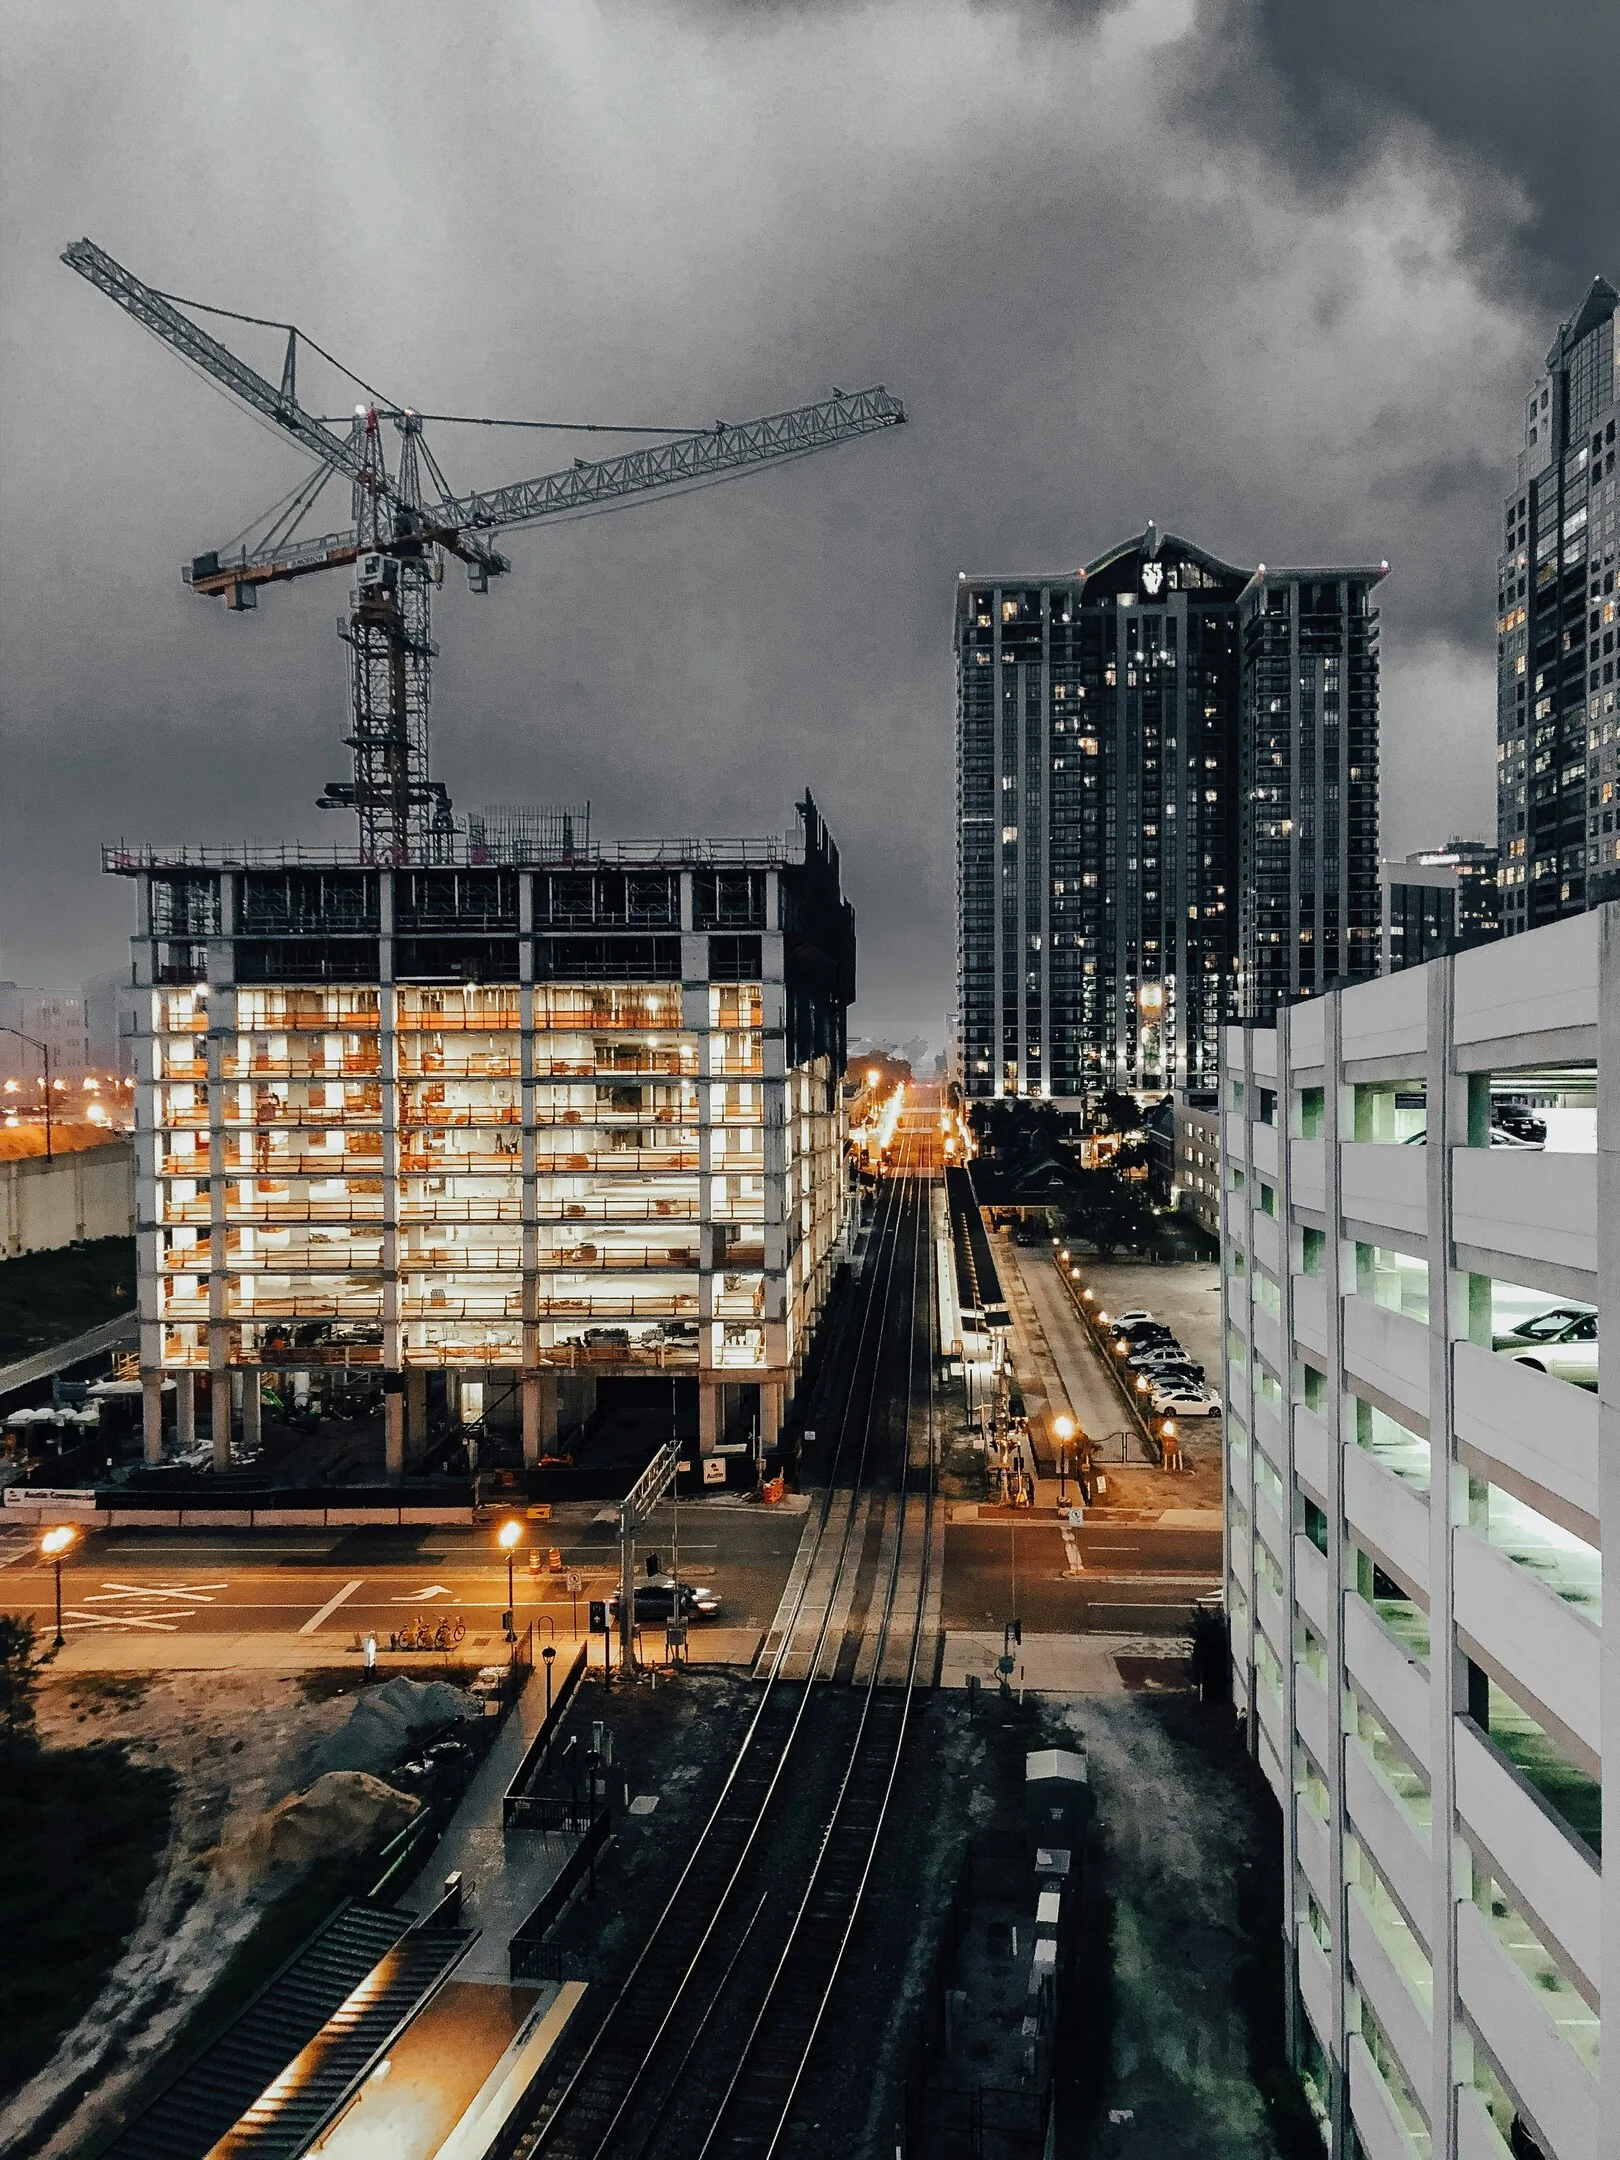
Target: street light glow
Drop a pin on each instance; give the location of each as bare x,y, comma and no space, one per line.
1063,1427
508,1534
56,1542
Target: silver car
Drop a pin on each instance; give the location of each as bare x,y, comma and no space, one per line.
1562,1341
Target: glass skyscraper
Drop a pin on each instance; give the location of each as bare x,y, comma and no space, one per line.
1558,759
1167,811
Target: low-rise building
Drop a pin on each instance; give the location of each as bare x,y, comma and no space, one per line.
1439,900
1421,1192
1195,1187
532,1125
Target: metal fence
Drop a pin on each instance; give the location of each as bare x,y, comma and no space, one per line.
530,1957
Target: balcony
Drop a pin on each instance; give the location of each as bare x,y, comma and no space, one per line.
1555,1873
1530,1635
606,1259
1533,1424
1390,1518
1527,1205
1307,1171
1313,1591
1385,1186
1386,1829
1389,1350
1393,1974
1516,2025
616,1206
642,1162
1313,1716
1391,1678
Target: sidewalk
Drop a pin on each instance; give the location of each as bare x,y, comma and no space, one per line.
1047,1664
503,1876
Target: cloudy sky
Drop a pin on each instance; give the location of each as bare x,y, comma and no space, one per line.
1270,273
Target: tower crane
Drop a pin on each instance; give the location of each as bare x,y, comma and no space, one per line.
400,532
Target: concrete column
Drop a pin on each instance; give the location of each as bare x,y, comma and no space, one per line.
394,1433
539,1416
252,1408
415,1414
710,1419
1608,1291
152,1415
185,1408
770,1414
219,1415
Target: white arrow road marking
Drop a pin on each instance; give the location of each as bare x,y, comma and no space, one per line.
330,1607
428,1590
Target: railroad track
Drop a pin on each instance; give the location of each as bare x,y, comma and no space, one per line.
702,2049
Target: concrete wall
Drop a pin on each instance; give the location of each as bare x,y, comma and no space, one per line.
88,1194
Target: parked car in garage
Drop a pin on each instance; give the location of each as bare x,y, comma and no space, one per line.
1562,1341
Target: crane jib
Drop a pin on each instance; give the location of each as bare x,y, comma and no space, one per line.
404,814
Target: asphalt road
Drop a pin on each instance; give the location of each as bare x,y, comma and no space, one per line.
311,1582
1019,1567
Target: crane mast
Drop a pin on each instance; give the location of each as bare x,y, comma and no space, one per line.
396,542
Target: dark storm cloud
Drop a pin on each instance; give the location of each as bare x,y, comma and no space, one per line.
1525,91
1106,292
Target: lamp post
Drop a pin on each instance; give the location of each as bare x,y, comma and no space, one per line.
507,1538
44,1050
53,1545
1064,1428
548,1658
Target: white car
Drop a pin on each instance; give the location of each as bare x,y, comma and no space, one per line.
1136,1317
1185,1402
1562,1341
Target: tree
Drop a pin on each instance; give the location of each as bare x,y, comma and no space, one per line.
19,1676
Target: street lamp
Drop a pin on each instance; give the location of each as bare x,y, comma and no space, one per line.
1064,1429
507,1537
44,1050
53,1545
549,1658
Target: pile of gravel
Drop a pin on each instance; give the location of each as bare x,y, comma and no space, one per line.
386,1720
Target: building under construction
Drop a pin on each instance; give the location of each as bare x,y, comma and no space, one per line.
549,1113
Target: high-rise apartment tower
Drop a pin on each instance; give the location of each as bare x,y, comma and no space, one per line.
1558,759
1167,811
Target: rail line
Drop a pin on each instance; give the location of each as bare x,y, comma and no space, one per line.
599,2103
757,2104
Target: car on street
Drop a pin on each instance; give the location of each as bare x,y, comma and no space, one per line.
655,1600
1137,1316
1562,1341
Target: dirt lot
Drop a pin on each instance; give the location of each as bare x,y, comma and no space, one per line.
1185,1950
232,1891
